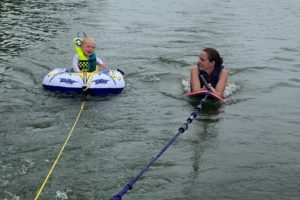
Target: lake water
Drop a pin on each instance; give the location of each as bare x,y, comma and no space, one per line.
248,148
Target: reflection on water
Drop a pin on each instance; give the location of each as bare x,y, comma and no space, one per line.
25,23
204,141
210,106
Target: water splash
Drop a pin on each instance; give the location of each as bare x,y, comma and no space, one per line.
62,195
25,166
230,89
11,196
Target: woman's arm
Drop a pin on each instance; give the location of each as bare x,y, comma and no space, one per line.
195,82
221,85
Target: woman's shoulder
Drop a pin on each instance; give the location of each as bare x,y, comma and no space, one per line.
224,70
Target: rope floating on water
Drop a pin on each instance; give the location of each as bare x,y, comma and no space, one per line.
61,151
181,130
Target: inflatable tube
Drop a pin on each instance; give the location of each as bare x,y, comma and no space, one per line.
101,83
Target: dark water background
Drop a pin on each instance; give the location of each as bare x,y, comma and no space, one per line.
247,149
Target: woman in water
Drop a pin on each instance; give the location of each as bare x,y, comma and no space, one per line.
210,65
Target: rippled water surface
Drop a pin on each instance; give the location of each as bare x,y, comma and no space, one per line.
248,148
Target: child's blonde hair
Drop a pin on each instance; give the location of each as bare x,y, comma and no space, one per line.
88,39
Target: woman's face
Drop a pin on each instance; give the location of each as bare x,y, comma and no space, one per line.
88,47
204,63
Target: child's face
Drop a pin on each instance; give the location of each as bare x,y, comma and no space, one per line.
88,47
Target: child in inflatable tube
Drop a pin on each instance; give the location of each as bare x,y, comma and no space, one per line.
86,60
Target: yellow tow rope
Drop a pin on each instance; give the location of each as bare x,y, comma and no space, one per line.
60,153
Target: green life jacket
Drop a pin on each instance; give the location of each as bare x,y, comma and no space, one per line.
85,63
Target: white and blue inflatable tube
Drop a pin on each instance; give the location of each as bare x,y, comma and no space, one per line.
101,83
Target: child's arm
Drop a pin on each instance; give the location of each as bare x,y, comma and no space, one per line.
75,64
101,63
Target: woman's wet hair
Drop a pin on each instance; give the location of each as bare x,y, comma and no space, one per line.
213,55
